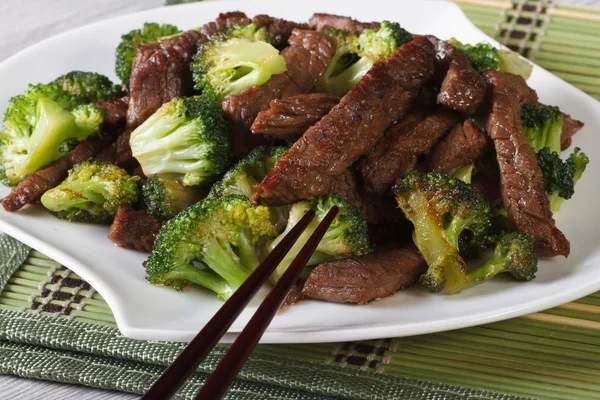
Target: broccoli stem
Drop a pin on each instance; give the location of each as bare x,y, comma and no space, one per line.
465,173
441,256
342,83
222,260
202,277
247,249
294,251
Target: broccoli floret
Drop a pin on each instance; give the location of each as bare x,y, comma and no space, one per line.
248,172
126,50
355,55
40,126
543,125
186,139
222,234
514,254
444,210
347,236
92,192
561,176
234,60
484,57
164,198
89,87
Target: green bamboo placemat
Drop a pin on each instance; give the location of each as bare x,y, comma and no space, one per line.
54,326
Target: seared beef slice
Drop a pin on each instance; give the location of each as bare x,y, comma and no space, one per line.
351,128
289,118
134,229
396,154
462,86
320,21
307,57
463,146
521,178
366,278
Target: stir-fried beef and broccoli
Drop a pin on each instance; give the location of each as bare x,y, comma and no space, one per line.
219,139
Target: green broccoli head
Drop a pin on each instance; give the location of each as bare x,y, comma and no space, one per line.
234,60
380,44
126,50
446,213
356,54
248,172
92,192
186,139
560,176
37,124
347,235
222,234
543,125
163,198
484,57
514,254
89,87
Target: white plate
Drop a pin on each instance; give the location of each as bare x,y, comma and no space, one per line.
146,312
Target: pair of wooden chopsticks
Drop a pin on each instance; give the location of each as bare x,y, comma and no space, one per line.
219,381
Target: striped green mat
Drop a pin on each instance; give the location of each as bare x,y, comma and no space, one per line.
54,326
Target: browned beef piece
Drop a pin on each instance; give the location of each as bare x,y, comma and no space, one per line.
134,229
366,278
279,29
34,186
289,118
351,128
427,98
570,127
463,88
397,153
161,70
119,152
463,145
115,111
307,56
320,21
522,187
295,294
346,186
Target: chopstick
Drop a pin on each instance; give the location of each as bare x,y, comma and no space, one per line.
196,351
219,381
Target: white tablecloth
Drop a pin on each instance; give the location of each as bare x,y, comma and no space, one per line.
23,23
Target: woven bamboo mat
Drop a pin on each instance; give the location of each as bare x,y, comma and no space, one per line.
54,326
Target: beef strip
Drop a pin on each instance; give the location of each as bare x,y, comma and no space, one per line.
463,88
351,128
366,278
34,186
307,57
119,152
570,127
289,118
161,70
115,111
279,29
522,187
464,144
134,229
397,153
320,21
346,186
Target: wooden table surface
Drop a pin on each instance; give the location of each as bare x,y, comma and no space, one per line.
27,22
